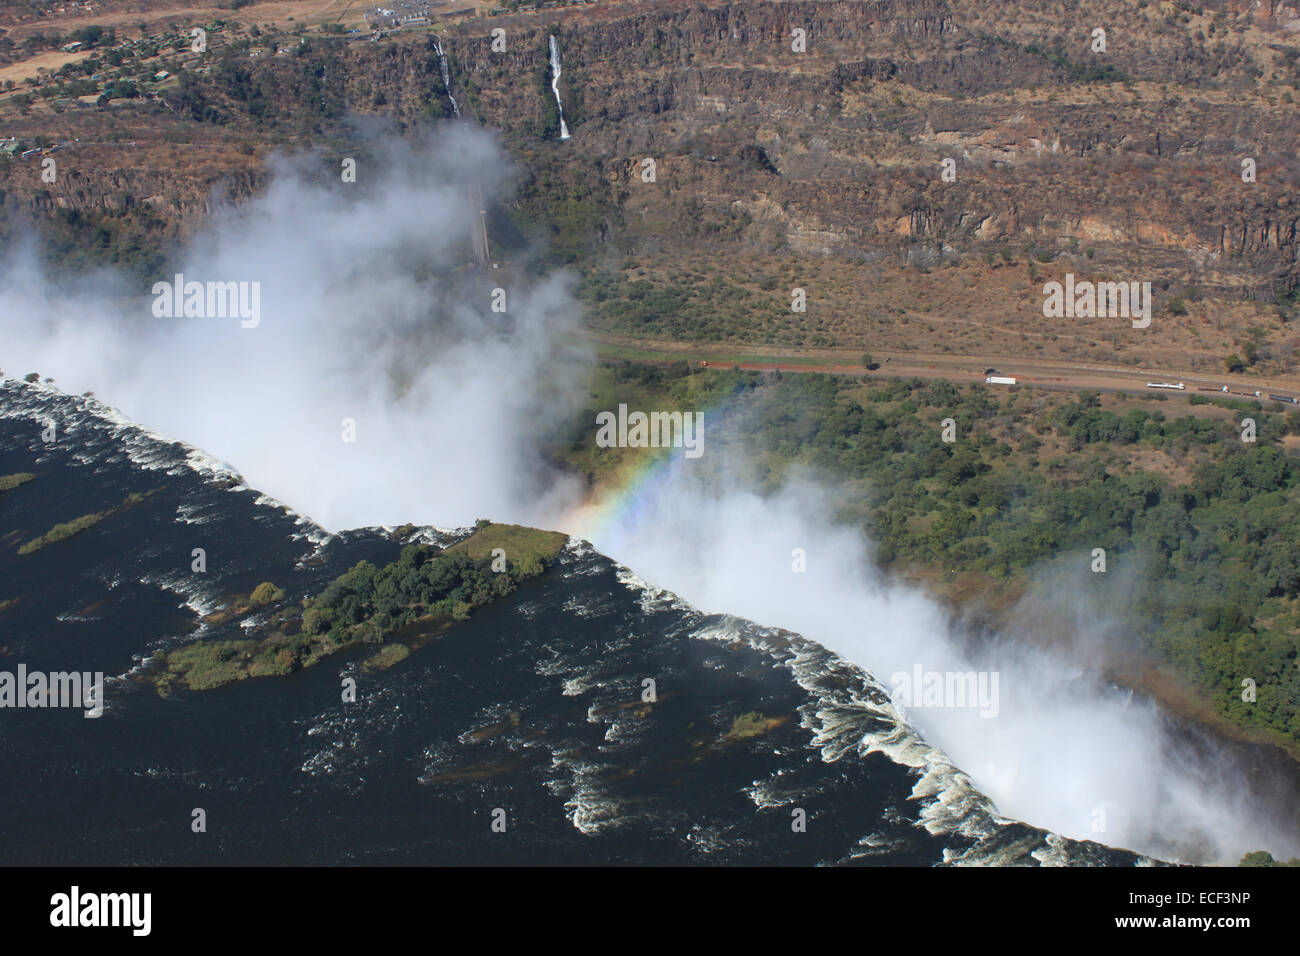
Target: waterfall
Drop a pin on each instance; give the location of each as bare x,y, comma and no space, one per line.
555,85
446,74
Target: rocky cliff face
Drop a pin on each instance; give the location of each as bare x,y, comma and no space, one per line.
856,127
1056,147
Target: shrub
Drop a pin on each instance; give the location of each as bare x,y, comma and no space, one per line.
266,593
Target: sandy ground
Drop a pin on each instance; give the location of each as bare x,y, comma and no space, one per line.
50,60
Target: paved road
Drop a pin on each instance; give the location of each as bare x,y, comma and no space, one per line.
1037,373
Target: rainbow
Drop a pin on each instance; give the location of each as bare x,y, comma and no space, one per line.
618,504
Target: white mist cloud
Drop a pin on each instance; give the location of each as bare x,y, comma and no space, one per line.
1065,751
367,314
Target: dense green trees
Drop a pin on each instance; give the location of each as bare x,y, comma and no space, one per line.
423,581
424,590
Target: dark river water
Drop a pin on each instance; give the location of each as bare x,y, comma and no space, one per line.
530,713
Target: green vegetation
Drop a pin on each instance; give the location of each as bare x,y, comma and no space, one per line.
1055,54
1201,537
131,236
415,599
752,724
387,656
10,482
695,308
266,593
210,664
550,128
296,96
61,532
1262,858
567,206
530,548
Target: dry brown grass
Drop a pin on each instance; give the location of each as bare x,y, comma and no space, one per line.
982,309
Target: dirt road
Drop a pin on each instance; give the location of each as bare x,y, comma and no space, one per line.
1037,373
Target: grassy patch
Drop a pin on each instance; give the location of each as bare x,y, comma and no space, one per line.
753,724
265,593
519,543
10,482
210,663
387,656
61,532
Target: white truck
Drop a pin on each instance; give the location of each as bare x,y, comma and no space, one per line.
999,380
